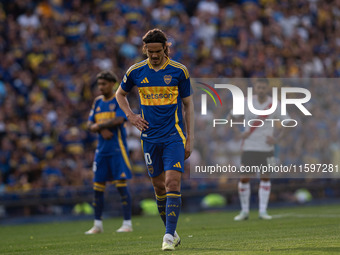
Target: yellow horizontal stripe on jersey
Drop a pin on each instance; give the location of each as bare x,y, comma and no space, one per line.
135,66
104,116
158,95
179,128
178,65
122,149
119,185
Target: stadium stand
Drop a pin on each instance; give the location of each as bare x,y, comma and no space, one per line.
51,50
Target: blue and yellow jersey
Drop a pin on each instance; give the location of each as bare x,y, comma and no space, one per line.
160,94
102,111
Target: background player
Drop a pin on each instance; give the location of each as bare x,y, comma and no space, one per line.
163,86
258,149
111,161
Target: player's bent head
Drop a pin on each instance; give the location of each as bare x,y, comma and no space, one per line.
156,36
108,76
261,86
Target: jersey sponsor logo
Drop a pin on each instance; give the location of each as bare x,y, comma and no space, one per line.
145,80
150,169
167,79
104,116
178,165
158,95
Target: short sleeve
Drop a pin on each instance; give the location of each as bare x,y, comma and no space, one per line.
91,114
127,82
184,85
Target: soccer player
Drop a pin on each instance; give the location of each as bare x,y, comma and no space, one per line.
258,149
111,163
163,86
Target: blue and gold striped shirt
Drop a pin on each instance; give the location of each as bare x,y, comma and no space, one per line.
160,94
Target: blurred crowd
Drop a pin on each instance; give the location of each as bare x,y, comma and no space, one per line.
51,50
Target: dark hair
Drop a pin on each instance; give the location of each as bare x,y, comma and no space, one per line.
107,75
156,36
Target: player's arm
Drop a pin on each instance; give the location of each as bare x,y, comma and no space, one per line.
135,119
95,127
189,122
277,137
271,140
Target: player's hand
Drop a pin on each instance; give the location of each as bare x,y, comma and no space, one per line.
94,127
106,134
271,140
188,149
138,122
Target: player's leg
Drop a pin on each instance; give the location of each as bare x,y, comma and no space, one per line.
173,202
154,163
264,193
100,169
158,183
244,189
267,158
173,158
125,196
244,195
98,205
121,171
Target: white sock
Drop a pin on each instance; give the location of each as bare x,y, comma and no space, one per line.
244,194
127,222
98,223
264,193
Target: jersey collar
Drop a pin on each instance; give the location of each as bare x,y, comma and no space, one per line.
106,100
164,65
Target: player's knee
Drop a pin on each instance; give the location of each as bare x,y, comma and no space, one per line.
172,185
159,190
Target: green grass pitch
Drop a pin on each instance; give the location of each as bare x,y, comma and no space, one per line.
295,230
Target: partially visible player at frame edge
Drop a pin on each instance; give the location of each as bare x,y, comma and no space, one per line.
111,163
163,86
258,149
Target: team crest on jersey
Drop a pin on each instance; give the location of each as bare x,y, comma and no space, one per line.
125,78
167,79
112,107
98,109
150,169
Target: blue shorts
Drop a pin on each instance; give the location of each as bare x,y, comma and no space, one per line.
165,156
111,168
